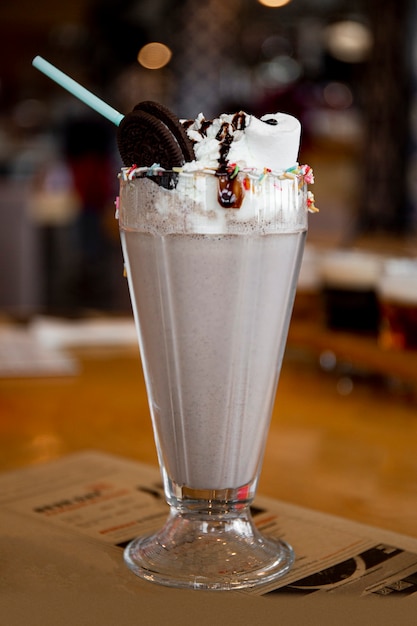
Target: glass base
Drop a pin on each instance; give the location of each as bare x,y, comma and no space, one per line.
220,551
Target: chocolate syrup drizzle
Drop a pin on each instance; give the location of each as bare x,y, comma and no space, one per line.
230,191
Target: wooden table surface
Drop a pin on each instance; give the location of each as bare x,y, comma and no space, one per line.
342,441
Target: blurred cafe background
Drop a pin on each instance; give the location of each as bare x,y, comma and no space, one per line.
348,70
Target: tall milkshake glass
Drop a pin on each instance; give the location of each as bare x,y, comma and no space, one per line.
212,291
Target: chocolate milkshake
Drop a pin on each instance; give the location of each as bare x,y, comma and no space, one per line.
212,250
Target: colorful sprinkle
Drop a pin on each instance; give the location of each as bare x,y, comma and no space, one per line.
246,183
311,203
307,173
264,174
234,170
154,169
130,172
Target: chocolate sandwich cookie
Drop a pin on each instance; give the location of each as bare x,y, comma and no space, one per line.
172,122
152,134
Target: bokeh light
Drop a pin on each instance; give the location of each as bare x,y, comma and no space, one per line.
338,95
279,72
154,55
274,3
348,41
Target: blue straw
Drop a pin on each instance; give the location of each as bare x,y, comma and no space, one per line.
78,91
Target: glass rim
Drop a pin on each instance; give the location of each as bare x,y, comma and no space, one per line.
232,171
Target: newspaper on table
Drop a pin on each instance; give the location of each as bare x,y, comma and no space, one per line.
111,500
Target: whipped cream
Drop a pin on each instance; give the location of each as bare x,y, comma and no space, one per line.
272,141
